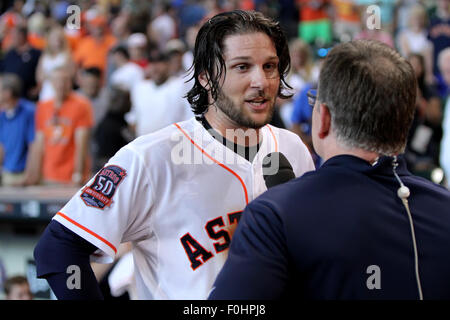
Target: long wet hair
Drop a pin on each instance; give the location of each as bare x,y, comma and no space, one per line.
209,47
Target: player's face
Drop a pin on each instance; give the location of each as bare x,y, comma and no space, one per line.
248,94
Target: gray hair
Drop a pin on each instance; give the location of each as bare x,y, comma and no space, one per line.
370,91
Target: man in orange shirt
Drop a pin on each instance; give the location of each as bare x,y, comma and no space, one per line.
62,135
92,51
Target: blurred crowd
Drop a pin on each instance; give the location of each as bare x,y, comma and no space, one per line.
80,79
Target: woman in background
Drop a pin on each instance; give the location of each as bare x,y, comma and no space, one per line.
56,54
414,40
303,71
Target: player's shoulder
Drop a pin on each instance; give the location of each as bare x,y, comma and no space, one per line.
288,141
164,139
285,134
293,148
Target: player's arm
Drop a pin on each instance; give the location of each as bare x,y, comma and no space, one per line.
113,207
256,267
62,258
101,269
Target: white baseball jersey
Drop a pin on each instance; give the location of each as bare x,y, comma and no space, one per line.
177,194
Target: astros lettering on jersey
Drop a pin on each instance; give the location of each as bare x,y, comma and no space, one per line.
179,213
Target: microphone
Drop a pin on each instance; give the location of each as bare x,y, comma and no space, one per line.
276,169
403,193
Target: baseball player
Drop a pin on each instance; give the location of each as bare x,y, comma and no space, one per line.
177,194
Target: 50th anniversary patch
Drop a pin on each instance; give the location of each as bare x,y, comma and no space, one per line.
99,194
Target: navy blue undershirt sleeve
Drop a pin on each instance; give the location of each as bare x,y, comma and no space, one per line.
257,264
59,248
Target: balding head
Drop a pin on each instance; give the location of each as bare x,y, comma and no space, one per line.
370,91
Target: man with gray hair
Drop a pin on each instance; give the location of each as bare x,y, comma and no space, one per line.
16,131
361,226
444,66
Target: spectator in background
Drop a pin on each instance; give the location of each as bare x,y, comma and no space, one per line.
422,149
62,134
36,30
346,19
16,131
112,133
120,27
92,51
163,27
439,32
444,66
56,55
315,24
302,118
402,9
17,288
288,17
137,49
8,21
90,87
176,49
190,13
188,56
303,70
157,102
22,60
126,73
414,40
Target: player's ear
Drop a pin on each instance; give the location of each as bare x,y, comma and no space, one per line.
204,80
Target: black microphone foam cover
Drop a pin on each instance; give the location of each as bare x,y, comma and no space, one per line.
276,169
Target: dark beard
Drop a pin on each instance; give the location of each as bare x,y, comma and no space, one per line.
237,115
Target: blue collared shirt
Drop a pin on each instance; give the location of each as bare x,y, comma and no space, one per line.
16,134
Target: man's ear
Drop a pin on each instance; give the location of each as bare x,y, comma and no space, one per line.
204,80
325,121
